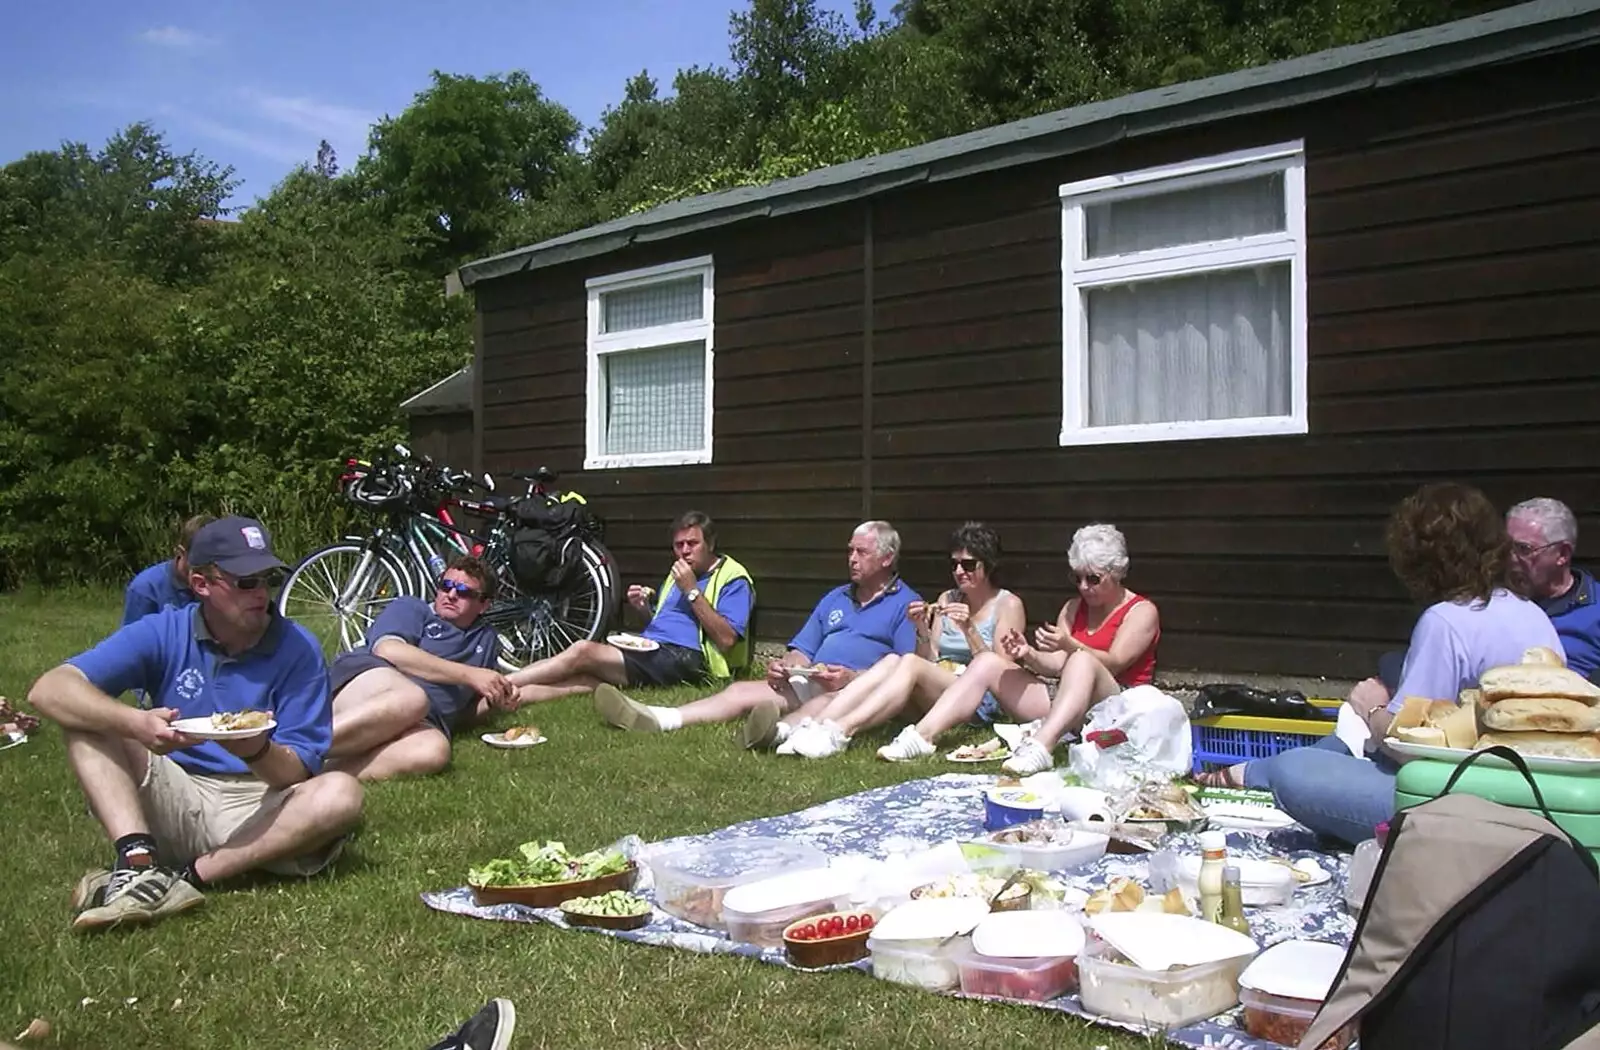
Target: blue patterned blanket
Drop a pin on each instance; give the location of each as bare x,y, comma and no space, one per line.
940,808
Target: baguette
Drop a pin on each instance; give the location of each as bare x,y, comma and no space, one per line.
1536,680
1544,713
1552,745
1543,654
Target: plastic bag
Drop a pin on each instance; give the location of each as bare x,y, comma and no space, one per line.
1138,735
1232,698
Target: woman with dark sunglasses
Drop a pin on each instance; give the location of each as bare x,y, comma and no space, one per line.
964,622
1103,641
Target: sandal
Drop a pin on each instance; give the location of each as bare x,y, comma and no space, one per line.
1219,778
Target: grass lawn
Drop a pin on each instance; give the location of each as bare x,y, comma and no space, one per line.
354,960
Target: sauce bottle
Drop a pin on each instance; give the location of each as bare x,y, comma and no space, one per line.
1213,858
1233,901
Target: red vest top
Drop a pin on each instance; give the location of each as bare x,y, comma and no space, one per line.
1143,669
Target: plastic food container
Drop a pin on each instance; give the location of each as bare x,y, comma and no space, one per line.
1283,1020
1034,980
757,912
1083,847
1003,807
921,964
1263,883
691,881
1163,999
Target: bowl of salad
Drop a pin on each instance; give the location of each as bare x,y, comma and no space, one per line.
615,910
543,874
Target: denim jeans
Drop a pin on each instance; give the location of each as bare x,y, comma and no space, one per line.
1328,789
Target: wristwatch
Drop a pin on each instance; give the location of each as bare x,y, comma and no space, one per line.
693,595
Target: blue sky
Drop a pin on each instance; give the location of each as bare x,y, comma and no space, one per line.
257,85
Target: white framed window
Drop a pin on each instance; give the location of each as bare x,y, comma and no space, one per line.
649,381
1183,294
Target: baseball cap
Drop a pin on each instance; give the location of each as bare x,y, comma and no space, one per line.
240,546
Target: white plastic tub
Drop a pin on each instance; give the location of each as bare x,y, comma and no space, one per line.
1161,999
921,963
757,912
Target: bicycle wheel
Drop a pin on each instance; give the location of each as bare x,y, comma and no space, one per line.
337,592
535,626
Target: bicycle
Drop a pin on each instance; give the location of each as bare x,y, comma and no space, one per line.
338,590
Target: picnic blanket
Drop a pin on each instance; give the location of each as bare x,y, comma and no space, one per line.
920,813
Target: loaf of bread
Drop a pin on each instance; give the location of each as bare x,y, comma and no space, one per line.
1552,745
1543,654
1552,714
1536,680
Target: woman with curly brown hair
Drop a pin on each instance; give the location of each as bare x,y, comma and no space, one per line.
1448,545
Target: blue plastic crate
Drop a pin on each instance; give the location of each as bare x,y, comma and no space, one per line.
1224,744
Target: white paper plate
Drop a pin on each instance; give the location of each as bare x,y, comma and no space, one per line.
804,670
1153,941
1028,935
1245,816
1295,969
997,756
201,729
634,642
1536,763
499,740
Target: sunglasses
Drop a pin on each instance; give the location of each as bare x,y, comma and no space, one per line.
465,590
255,582
965,564
1091,578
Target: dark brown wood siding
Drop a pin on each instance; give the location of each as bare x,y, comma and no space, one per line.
1454,299
444,436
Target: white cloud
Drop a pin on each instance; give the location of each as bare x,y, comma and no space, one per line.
263,145
176,38
326,120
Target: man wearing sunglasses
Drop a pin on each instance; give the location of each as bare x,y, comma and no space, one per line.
182,811
425,671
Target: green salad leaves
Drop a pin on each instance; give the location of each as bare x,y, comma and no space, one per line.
537,864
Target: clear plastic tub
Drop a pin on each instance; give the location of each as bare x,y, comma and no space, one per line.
691,881
1032,980
1282,1020
1084,848
1162,1000
757,912
920,963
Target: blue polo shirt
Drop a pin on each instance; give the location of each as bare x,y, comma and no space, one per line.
152,590
857,636
171,656
414,621
1576,616
675,623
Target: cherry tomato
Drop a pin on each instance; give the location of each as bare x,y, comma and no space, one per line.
867,921
852,923
836,925
808,931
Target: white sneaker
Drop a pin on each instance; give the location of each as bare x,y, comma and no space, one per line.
786,745
907,747
824,740
1030,758
1030,728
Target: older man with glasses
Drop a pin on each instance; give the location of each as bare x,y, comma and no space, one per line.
1544,538
189,804
426,670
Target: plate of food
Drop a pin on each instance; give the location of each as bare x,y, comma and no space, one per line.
1535,763
989,751
613,910
227,725
807,670
633,642
515,737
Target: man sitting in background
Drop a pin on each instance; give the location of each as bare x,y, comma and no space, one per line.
852,628
184,812
425,670
166,582
1544,538
696,631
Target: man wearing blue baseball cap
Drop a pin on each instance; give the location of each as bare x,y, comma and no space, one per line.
187,809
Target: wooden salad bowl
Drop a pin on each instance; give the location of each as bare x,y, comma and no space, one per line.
551,894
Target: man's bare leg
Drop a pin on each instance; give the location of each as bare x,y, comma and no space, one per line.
538,694
316,812
110,770
419,751
735,701
581,661
375,708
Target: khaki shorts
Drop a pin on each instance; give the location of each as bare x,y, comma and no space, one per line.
191,814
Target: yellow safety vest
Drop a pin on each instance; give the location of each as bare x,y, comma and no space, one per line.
718,664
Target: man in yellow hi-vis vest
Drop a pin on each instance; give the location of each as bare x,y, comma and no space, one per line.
696,632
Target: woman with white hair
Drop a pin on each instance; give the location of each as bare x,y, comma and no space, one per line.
1103,641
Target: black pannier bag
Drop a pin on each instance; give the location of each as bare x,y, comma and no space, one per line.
1481,931
547,544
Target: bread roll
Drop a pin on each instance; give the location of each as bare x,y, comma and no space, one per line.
1553,745
1543,654
1460,725
1543,714
1430,735
1536,680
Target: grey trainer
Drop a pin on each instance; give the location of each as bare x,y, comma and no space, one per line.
150,895
624,713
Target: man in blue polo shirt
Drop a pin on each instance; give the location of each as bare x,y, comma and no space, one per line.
425,670
1544,538
166,582
184,811
696,629
852,628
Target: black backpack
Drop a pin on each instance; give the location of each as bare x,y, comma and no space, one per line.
1481,931
547,544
